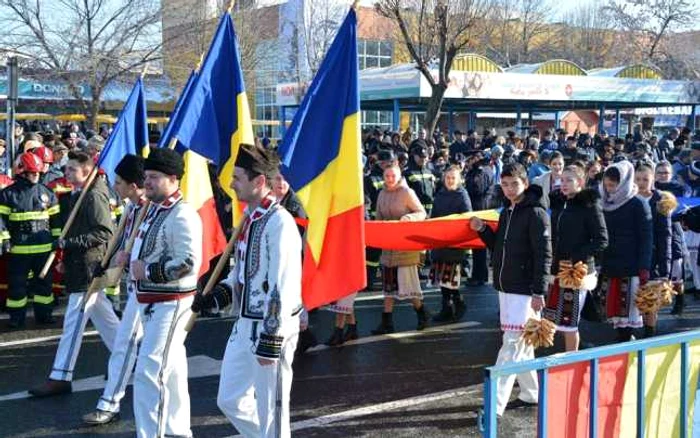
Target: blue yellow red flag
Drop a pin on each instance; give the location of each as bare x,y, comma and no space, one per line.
215,119
195,184
322,161
130,133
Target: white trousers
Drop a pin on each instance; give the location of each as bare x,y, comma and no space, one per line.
253,397
161,397
98,309
514,349
123,357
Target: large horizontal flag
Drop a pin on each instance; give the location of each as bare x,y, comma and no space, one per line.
130,133
196,185
569,389
215,119
322,163
445,232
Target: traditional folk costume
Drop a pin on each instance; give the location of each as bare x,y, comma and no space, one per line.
446,268
169,241
578,235
265,289
627,259
521,256
130,330
400,278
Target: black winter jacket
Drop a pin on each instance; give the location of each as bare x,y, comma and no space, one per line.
422,181
661,250
521,248
478,183
86,241
630,240
578,229
449,202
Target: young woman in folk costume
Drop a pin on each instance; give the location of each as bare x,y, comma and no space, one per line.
579,234
626,261
400,278
661,206
446,269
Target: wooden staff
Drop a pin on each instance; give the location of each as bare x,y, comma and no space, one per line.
112,275
71,219
214,278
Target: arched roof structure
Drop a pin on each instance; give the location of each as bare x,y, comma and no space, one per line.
476,63
551,67
634,71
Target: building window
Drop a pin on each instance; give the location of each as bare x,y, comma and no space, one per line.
266,111
374,53
380,119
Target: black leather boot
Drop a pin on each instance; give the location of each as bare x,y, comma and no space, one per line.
678,305
350,333
460,307
336,338
386,326
422,316
446,314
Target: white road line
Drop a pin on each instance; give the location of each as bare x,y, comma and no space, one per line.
325,420
399,335
39,340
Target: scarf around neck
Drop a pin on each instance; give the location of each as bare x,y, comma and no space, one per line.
625,191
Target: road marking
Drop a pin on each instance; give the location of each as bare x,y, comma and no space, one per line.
198,366
325,420
398,335
39,340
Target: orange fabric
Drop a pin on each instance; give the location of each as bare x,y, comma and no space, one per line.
422,235
213,239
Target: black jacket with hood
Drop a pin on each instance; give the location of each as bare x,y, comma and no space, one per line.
578,229
521,248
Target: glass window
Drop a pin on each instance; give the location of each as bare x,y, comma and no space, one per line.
374,53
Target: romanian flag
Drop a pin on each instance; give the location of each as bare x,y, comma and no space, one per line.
130,133
195,185
215,118
322,163
569,391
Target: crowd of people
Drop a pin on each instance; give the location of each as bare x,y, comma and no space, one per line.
604,203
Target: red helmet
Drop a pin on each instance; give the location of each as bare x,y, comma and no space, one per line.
28,162
44,153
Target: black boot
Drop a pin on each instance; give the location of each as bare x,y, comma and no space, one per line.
17,319
678,305
446,313
459,305
422,316
336,338
624,334
386,326
307,339
350,333
649,331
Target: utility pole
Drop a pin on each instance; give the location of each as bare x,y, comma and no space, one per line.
12,97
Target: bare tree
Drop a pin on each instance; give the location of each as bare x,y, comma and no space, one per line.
533,26
586,37
434,32
321,20
651,21
92,42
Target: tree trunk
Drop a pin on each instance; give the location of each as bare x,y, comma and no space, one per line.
94,112
432,113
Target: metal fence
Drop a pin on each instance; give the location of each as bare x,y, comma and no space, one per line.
592,356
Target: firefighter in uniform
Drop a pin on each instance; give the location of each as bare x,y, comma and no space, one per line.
4,182
30,223
48,173
373,184
419,177
62,188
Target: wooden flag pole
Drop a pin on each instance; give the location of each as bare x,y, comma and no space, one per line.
112,275
71,218
214,278
230,6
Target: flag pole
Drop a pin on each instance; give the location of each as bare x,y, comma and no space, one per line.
70,220
111,276
230,6
216,273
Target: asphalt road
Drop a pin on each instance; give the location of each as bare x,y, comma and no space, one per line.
409,384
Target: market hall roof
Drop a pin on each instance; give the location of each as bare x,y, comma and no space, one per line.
636,71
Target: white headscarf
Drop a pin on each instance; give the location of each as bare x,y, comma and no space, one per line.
625,191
